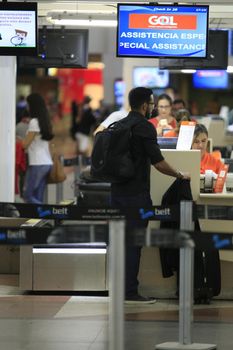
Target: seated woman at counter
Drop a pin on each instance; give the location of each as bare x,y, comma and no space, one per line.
208,160
180,115
164,120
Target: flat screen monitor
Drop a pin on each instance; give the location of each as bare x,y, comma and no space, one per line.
59,48
119,92
210,79
167,142
18,28
162,30
217,57
150,77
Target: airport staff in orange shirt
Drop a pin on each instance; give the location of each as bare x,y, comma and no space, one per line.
209,161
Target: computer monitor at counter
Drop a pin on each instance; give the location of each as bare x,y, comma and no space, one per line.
167,142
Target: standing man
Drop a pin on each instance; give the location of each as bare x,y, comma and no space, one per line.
136,191
177,104
85,122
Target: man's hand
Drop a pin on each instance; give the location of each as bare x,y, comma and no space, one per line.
184,176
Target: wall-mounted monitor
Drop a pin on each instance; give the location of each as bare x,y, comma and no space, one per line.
150,77
119,92
162,30
18,28
217,57
59,48
210,79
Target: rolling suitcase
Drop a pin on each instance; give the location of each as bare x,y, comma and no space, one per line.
94,195
207,276
91,192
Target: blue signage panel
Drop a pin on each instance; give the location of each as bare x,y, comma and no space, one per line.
162,31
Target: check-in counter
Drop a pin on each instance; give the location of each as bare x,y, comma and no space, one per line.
150,276
226,256
151,279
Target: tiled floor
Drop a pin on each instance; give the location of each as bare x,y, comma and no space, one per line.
76,322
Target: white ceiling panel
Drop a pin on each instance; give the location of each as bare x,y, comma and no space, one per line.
221,11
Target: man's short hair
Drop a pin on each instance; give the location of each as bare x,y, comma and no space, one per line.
138,96
179,101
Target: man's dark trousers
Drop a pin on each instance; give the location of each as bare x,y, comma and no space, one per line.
133,253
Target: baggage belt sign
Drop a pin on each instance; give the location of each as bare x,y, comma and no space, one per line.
72,212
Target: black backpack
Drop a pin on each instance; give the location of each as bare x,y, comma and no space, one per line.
111,159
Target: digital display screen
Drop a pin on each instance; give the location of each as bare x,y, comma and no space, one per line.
162,30
167,142
18,28
150,77
210,79
119,92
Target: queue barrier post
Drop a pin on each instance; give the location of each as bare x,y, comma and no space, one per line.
59,186
186,288
116,284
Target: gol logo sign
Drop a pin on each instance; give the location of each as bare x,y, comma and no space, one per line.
139,21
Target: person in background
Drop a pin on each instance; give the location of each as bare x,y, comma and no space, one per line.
85,122
181,115
22,126
135,192
177,104
20,167
21,156
20,107
74,115
112,118
164,120
36,143
209,161
102,111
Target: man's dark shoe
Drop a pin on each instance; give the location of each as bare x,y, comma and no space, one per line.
139,300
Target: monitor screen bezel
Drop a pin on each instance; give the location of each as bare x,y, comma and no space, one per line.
17,50
38,61
210,62
160,5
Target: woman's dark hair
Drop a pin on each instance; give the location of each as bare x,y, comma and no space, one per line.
200,129
182,114
138,96
164,97
38,110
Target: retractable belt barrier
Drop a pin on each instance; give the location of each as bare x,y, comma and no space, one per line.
70,234
74,212
185,238
163,238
